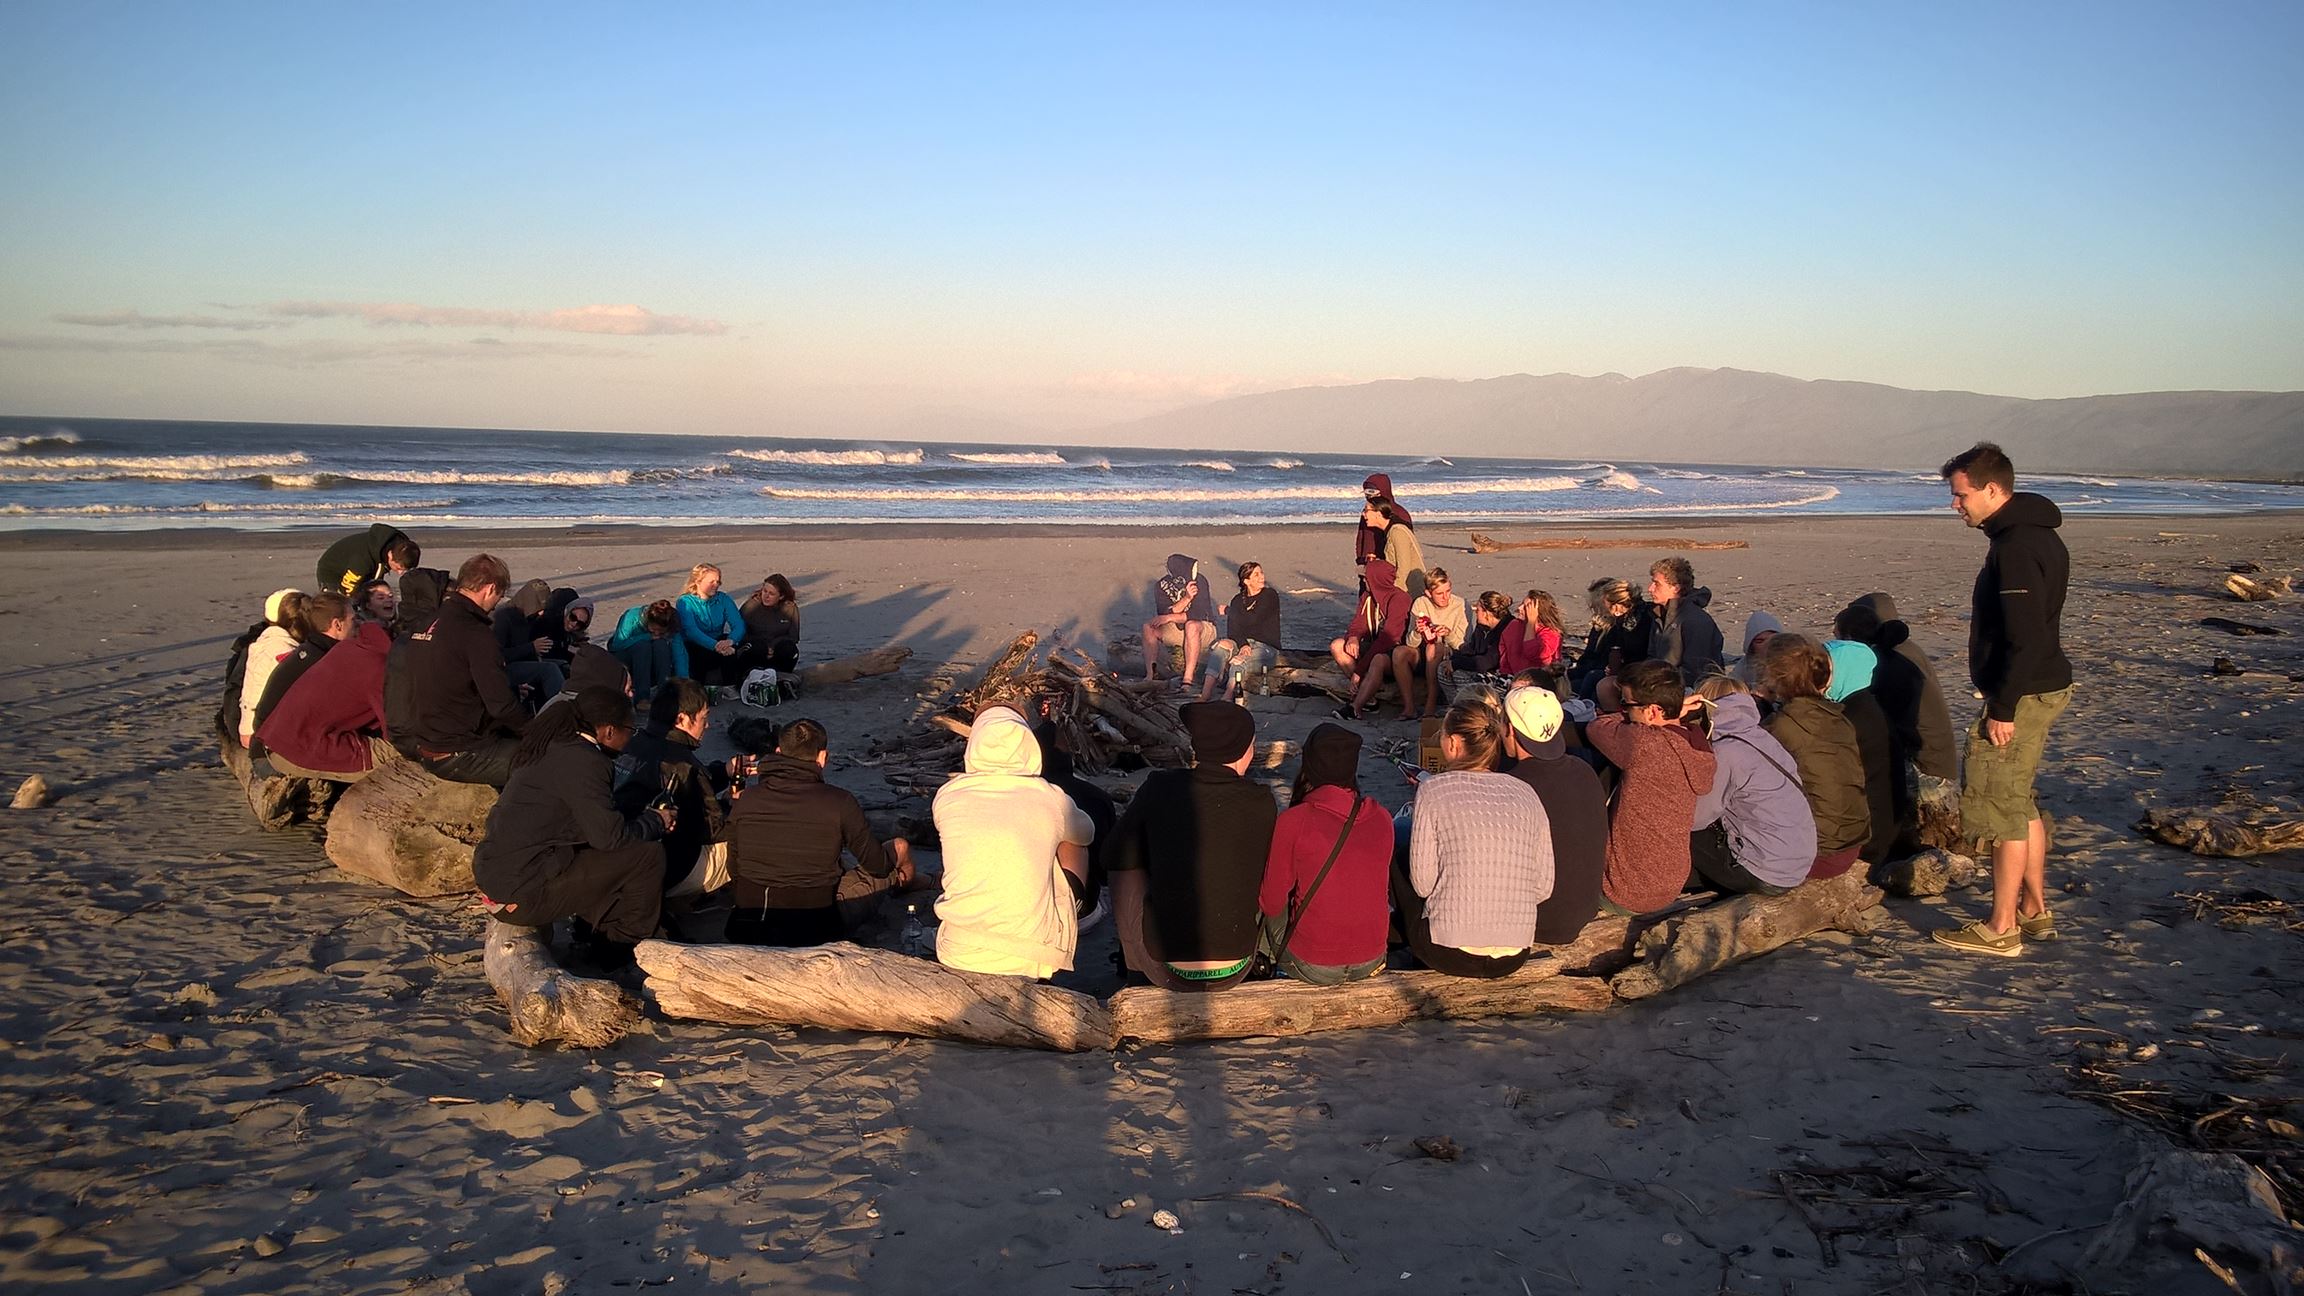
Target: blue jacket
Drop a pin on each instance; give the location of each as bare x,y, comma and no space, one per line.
705,622
1757,798
632,631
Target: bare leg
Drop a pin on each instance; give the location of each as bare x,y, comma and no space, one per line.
2032,896
1341,649
1379,664
2011,868
1197,636
1431,677
1404,670
1151,651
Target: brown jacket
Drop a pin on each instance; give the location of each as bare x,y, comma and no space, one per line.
1823,745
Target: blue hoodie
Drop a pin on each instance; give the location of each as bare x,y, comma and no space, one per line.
632,631
706,622
1756,797
1852,667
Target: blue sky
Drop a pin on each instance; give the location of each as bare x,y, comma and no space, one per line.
864,219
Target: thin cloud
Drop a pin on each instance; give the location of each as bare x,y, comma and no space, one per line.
316,352
618,321
132,319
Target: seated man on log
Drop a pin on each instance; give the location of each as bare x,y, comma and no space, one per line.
1575,808
785,842
1188,857
661,762
557,847
462,719
1015,857
1182,615
327,727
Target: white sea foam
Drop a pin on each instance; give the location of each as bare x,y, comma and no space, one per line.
318,513
1212,465
412,477
1125,495
1618,479
1284,463
158,467
1825,495
1043,457
1684,474
36,440
832,458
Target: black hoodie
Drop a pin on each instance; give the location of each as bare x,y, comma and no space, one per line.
1905,683
2015,643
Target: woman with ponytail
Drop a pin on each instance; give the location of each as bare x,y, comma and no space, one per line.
556,846
1479,855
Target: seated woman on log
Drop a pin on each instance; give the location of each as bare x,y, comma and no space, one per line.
557,847
1479,855
649,643
1753,832
1794,672
1015,857
1188,857
283,630
1329,871
661,762
785,843
772,620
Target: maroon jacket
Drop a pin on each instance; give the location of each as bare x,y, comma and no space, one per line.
1665,769
1369,541
1383,617
324,721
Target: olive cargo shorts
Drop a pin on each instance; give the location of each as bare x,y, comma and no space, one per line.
1996,802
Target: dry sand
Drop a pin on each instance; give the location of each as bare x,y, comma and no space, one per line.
230,1068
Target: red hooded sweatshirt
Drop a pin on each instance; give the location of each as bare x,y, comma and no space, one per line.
324,721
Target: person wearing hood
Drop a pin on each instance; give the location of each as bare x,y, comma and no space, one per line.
593,667
649,643
661,763
1015,857
366,556
567,622
1326,881
1379,627
785,843
1759,628
328,726
1188,857
1906,682
1794,672
283,630
1664,767
522,639
1684,634
1183,615
1575,809
1853,665
2016,660
420,593
556,846
1368,542
1753,832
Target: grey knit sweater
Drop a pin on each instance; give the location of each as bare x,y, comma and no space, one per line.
1480,853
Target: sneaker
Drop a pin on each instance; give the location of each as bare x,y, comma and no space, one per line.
1095,915
1976,938
2039,927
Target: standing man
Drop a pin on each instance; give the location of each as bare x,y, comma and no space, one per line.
2016,659
1368,541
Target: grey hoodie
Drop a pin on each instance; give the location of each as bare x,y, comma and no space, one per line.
1757,798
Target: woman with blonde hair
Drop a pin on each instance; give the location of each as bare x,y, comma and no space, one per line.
1479,855
714,627
1618,633
283,631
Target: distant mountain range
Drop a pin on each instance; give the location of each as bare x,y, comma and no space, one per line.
1736,416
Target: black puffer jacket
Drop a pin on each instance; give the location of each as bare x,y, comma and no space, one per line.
785,839
551,808
2015,639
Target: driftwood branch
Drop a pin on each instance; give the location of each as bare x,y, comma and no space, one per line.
841,670
547,1005
1687,945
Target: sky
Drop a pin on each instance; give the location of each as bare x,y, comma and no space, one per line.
1033,221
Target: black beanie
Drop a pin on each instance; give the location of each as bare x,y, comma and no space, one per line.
1221,732
1331,759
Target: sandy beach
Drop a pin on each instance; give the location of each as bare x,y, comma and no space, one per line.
231,1068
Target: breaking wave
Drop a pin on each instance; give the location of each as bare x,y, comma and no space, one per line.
219,506
1020,457
38,440
158,467
1123,495
329,480
1212,465
1618,479
831,458
1283,463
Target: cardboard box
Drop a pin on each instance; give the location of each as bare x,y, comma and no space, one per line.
1428,743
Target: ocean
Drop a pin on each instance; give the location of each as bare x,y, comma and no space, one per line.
122,475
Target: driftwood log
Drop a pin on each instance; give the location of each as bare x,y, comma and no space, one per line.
406,829
1687,945
277,800
1484,545
849,987
2222,833
842,670
2257,591
1560,982
2211,1204
545,1004
1931,872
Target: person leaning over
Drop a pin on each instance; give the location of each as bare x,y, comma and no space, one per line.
1188,857
1015,857
464,720
661,763
1323,904
1479,862
2016,660
785,843
365,556
649,643
557,847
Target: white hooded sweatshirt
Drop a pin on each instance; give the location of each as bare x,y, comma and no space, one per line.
1006,906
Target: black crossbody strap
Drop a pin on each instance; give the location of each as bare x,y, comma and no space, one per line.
1296,915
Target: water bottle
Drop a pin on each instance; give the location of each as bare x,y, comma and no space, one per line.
914,939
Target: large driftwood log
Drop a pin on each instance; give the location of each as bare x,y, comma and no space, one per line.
277,800
2222,833
1288,1008
2209,1203
1484,545
848,987
841,670
1687,945
406,829
546,1005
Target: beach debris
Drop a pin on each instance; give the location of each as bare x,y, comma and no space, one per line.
2250,590
1938,813
2240,909
841,670
405,828
2245,568
1439,1147
268,1245
1688,944
1932,872
1166,1219
2229,626
1482,544
276,800
2223,832
1105,721
545,1003
2217,1206
32,794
